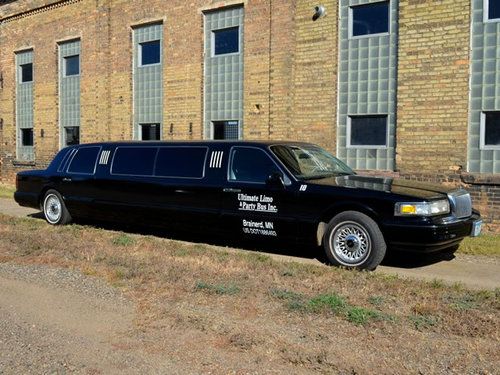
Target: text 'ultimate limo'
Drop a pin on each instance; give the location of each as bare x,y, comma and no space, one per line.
287,191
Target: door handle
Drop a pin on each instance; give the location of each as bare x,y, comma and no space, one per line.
66,179
231,190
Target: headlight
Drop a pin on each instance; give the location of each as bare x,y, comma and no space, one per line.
422,208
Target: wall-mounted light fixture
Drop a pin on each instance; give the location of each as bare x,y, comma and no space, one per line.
319,11
171,132
42,133
1,80
1,123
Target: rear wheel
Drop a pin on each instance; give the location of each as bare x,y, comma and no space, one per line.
54,209
352,239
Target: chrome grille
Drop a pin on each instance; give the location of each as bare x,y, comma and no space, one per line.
461,204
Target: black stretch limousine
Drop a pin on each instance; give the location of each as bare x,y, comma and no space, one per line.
287,191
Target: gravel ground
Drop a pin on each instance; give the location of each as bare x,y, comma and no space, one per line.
58,321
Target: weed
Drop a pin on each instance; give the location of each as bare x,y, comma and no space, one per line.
462,302
284,294
423,321
360,315
123,240
230,289
437,284
332,302
376,300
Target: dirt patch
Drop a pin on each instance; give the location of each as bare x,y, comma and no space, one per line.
207,309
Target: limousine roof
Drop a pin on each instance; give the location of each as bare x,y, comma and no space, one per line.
193,142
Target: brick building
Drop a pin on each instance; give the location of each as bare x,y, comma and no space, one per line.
402,88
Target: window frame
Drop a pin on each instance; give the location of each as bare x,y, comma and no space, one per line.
367,147
351,19
65,63
139,53
21,73
482,133
212,41
286,178
70,161
486,11
181,177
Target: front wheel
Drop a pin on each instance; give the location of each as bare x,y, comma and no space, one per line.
353,240
54,209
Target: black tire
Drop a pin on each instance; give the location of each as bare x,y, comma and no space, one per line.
353,240
54,209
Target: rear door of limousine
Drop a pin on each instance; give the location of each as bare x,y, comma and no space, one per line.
77,180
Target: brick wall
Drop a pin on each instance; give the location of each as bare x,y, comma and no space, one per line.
433,85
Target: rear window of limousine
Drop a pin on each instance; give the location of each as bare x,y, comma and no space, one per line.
139,161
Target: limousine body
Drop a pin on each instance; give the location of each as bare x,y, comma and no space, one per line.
286,191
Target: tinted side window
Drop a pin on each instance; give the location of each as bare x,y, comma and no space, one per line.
187,162
250,165
84,160
134,161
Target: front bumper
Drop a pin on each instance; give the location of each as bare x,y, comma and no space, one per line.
429,235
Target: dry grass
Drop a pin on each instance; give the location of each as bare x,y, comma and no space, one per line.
245,312
7,191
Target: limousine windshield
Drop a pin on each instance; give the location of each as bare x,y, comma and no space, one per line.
310,162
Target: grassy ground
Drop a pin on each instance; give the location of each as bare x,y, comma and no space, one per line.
249,313
6,191
486,244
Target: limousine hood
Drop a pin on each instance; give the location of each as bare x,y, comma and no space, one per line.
389,185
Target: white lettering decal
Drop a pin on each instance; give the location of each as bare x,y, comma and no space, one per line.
258,203
262,228
303,188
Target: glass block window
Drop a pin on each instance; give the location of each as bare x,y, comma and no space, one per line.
490,130
370,131
483,154
225,130
26,73
369,19
492,9
224,67
69,92
226,41
71,65
150,132
148,81
367,84
149,52
24,106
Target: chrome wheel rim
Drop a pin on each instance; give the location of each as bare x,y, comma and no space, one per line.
52,208
350,243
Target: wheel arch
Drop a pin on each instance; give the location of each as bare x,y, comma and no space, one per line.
336,209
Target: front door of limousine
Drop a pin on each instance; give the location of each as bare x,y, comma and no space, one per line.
251,207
